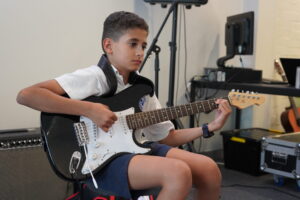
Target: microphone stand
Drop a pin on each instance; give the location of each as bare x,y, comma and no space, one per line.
173,48
156,49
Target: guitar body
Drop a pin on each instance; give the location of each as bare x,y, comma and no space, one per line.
293,120
285,122
289,121
61,143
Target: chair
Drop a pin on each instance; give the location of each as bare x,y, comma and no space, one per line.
82,192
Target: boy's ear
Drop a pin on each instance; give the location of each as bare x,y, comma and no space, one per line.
107,45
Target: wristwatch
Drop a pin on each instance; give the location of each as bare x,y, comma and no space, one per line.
206,132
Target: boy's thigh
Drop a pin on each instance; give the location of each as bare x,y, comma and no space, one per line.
147,171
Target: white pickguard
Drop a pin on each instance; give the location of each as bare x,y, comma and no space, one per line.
103,145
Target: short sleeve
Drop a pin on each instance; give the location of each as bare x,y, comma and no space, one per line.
84,82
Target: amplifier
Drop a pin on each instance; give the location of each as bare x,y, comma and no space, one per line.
25,170
194,2
19,138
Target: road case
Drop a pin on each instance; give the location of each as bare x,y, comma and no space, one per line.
280,156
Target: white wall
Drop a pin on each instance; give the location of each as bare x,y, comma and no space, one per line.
41,39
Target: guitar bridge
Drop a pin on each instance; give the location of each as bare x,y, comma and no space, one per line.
81,133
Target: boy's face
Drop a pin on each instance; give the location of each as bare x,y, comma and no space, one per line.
127,53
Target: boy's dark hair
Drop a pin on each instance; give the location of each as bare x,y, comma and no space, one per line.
117,23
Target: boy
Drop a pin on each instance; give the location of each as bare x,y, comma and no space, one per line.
172,169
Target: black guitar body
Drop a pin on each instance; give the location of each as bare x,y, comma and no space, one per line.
59,137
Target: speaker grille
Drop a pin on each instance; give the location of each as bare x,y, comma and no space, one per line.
25,170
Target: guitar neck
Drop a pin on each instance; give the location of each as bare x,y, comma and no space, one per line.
144,119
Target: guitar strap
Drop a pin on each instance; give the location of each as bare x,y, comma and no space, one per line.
112,82
110,75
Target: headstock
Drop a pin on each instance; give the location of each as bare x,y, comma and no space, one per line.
278,68
243,100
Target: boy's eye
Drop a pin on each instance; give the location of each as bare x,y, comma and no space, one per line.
133,44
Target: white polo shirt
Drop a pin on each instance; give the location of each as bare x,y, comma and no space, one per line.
91,81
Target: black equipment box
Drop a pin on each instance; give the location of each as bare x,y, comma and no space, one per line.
242,148
281,155
234,74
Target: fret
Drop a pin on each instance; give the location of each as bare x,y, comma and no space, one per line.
129,122
180,107
138,119
203,106
207,105
169,113
164,114
208,102
150,118
133,120
145,117
178,111
185,112
174,109
199,107
161,115
153,117
213,103
195,108
189,109
156,116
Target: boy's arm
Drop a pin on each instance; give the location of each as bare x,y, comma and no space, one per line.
183,136
46,97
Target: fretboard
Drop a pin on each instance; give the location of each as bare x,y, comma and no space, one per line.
144,119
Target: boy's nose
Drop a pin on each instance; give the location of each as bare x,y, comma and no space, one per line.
140,51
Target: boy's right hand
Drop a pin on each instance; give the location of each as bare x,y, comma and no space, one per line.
102,116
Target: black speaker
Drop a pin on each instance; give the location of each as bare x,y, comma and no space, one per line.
25,172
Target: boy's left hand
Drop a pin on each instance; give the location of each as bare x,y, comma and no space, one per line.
222,114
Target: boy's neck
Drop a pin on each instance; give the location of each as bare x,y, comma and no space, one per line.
123,73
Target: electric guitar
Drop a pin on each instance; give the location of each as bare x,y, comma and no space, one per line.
77,148
290,119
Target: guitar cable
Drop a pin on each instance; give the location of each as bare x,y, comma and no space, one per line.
88,166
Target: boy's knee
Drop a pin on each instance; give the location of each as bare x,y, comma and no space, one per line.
180,173
211,173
